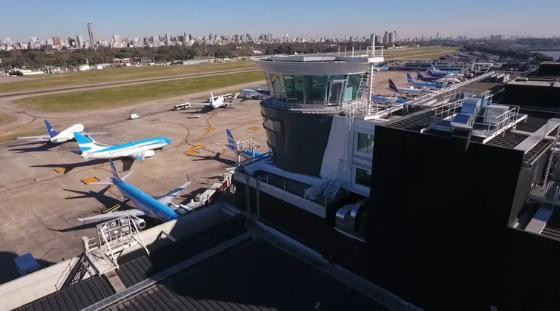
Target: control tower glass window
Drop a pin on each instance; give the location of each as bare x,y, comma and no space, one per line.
352,86
315,89
294,88
276,85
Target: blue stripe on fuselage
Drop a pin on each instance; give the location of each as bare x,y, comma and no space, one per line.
145,202
139,143
252,155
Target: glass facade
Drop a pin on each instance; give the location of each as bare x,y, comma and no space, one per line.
314,90
365,143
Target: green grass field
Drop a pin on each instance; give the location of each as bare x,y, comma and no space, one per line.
115,74
422,53
115,97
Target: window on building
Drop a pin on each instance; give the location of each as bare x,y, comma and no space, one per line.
276,82
363,177
294,88
352,87
315,89
365,143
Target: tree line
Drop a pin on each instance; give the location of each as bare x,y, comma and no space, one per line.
76,57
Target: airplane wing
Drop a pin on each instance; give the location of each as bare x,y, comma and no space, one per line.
166,199
37,138
109,216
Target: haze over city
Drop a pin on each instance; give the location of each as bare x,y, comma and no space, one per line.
308,19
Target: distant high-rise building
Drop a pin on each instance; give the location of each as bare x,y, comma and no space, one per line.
79,42
166,39
72,42
185,39
394,36
91,34
56,42
386,37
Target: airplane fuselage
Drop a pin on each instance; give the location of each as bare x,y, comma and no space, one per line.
140,149
67,134
145,202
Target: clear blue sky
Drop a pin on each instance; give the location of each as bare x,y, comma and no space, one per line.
44,18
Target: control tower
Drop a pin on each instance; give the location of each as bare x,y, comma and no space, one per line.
306,92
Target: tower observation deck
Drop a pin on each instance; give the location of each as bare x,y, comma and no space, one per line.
307,91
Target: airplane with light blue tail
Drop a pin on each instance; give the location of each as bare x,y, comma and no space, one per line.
423,84
239,151
136,150
146,205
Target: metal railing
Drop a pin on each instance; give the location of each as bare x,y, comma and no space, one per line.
498,122
447,110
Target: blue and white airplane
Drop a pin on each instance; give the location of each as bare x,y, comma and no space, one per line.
433,71
145,204
137,150
429,78
388,100
408,90
54,136
245,153
421,84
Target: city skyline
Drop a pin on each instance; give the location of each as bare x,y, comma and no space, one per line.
312,19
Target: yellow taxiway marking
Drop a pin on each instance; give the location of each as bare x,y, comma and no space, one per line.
60,170
90,180
191,152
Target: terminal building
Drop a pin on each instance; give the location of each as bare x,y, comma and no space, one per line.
442,201
447,202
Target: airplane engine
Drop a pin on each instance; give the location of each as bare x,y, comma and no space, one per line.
148,153
144,154
140,223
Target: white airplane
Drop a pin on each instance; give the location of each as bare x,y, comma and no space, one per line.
54,136
137,150
407,90
162,208
216,102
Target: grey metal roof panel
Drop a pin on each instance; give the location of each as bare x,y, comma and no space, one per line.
143,267
251,276
75,297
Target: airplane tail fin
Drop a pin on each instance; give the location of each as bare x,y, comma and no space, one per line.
211,97
231,144
393,86
409,78
50,129
86,144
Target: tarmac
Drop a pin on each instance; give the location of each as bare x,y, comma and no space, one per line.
40,206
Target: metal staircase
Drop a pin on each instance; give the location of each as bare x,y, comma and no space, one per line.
332,189
77,271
